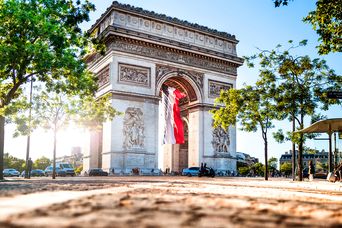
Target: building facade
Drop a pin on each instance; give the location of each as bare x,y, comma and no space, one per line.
146,50
321,157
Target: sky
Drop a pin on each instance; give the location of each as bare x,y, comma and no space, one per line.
256,24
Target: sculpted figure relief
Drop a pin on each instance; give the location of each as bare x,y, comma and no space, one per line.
134,74
133,130
221,140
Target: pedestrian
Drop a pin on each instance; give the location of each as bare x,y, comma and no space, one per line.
29,168
311,170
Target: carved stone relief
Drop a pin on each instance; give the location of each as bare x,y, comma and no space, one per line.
135,75
162,70
221,140
103,76
133,129
216,87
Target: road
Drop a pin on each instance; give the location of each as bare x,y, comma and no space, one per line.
169,201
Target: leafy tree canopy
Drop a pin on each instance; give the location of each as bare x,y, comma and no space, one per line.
326,20
273,162
42,39
13,162
41,163
286,168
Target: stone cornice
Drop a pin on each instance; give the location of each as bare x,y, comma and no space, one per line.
161,52
172,20
111,30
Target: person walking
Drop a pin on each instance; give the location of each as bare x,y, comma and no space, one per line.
311,170
29,168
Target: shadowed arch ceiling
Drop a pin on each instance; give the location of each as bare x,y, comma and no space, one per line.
184,86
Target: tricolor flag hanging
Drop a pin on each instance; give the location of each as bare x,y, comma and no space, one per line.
173,126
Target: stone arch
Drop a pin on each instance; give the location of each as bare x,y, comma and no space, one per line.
189,82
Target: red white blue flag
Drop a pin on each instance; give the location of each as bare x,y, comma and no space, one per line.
173,125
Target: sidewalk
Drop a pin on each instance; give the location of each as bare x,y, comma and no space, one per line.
175,202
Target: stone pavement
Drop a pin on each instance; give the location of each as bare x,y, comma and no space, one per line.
169,202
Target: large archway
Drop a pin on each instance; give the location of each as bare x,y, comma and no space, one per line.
175,158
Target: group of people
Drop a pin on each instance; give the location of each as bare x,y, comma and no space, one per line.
336,175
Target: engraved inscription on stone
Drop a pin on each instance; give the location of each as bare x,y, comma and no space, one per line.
103,76
135,75
216,87
133,129
221,140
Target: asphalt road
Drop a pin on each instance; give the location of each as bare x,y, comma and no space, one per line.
169,202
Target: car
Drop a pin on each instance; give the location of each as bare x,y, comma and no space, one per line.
59,171
35,173
192,171
69,170
97,172
321,174
11,173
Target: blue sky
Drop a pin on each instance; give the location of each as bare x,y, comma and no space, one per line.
256,24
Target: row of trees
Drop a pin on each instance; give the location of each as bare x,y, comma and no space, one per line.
19,164
258,169
41,42
289,87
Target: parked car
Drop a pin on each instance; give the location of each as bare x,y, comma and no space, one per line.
97,172
11,173
34,173
321,174
192,171
59,172
69,170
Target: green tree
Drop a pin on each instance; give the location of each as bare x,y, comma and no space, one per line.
252,106
321,167
286,168
326,20
273,163
258,169
54,111
79,170
41,163
301,88
13,162
244,171
41,40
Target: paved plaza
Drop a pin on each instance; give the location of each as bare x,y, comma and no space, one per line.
169,201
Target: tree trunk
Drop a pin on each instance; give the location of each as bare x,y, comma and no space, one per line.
2,145
54,153
293,150
300,150
266,158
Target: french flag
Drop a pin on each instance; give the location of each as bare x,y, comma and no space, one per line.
173,125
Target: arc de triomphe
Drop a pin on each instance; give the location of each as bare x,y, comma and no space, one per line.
144,51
